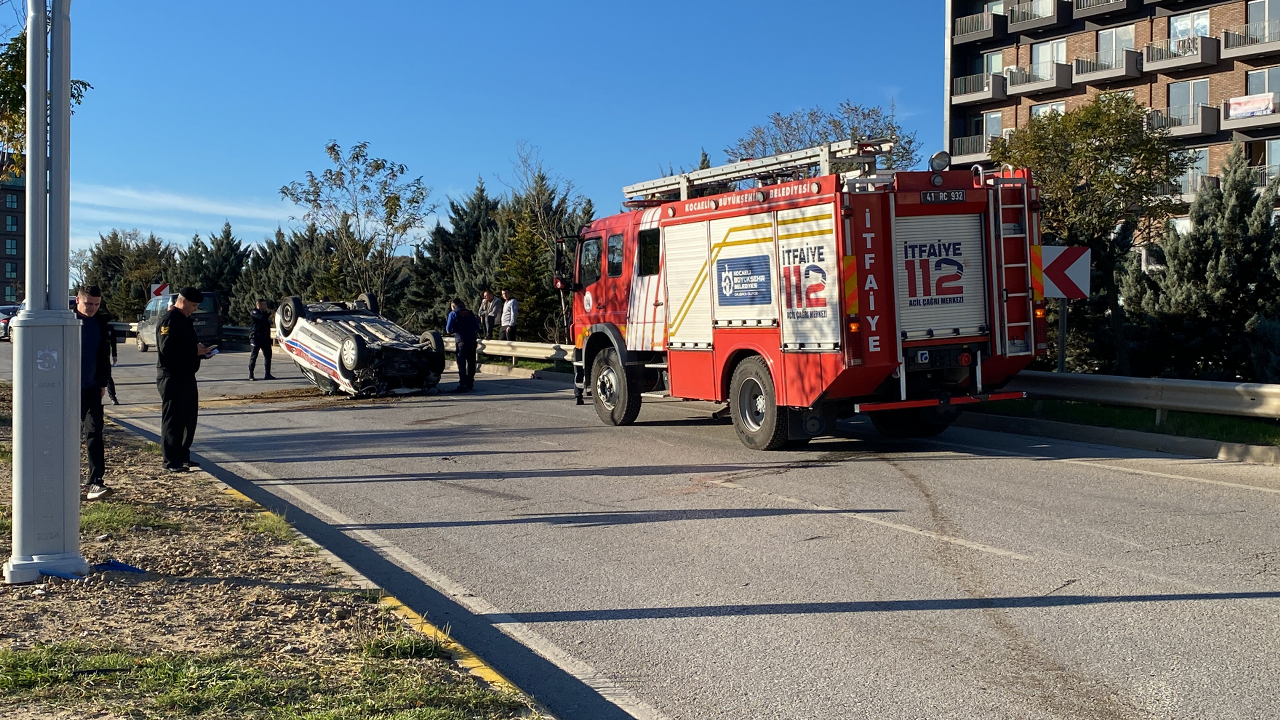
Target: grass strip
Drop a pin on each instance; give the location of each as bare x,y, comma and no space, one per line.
119,517
1222,428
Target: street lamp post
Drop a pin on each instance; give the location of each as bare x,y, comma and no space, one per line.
46,334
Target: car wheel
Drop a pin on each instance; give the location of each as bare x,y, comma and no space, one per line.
435,344
753,405
912,422
370,302
291,309
355,353
615,389
137,339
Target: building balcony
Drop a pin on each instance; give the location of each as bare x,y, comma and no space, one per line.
1253,40
1185,121
1185,188
975,28
973,89
972,149
1107,66
1180,54
1037,15
1040,78
1082,9
1251,111
1264,175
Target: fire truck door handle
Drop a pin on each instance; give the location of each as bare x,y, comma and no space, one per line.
657,304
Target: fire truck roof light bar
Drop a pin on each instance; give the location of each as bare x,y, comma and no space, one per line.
843,152
961,400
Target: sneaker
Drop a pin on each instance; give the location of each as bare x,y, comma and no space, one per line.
114,401
269,376
193,465
252,379
96,490
175,469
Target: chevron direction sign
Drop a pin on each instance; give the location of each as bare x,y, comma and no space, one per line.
1062,271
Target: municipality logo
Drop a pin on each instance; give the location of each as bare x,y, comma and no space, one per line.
46,359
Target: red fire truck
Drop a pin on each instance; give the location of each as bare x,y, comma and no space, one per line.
798,302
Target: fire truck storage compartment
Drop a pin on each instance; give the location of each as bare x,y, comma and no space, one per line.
743,255
688,294
810,278
940,276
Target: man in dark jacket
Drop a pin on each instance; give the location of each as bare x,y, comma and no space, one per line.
107,319
260,316
95,371
179,359
464,325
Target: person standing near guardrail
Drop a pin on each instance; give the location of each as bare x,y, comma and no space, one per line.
509,309
260,339
490,310
95,371
179,359
464,325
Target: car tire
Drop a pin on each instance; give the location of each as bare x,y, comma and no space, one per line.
355,353
615,389
137,340
434,343
753,405
912,422
370,302
291,310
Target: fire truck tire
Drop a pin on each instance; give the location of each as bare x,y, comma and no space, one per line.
753,403
615,389
910,423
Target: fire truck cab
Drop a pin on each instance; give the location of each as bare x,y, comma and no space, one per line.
814,293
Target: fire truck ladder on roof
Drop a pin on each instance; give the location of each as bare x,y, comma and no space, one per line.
1013,237
863,154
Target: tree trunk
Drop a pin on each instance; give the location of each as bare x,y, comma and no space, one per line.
1118,333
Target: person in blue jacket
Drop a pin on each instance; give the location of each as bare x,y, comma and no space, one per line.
464,325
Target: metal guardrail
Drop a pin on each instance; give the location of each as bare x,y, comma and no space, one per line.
515,349
1218,398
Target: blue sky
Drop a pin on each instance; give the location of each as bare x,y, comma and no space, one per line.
201,111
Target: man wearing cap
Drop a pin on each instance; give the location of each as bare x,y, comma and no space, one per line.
179,359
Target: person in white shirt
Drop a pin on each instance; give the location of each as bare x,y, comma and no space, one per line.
509,309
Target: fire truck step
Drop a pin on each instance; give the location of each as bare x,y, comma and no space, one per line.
656,394
656,366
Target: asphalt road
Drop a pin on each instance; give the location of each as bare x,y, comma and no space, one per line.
663,570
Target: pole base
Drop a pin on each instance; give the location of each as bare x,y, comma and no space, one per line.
26,570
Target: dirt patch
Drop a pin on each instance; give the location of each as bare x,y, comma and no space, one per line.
309,398
235,616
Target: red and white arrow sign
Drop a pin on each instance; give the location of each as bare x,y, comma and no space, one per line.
159,289
1066,272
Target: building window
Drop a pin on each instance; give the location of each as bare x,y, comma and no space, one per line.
10,223
1189,182
1258,82
1186,96
1260,11
10,293
1045,53
992,63
986,124
11,246
1112,43
1043,109
11,270
1195,24
11,201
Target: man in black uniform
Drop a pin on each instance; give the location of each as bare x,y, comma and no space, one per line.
260,339
179,360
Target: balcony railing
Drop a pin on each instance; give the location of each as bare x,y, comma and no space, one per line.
972,145
970,84
1252,34
1263,175
1040,72
1189,184
1097,62
1176,116
1091,4
1171,49
1029,11
971,24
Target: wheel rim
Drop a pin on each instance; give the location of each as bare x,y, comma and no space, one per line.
607,388
349,355
286,314
751,404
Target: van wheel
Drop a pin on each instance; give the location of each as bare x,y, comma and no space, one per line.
753,405
912,422
142,347
615,389
291,308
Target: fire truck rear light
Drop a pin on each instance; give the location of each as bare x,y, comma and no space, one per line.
965,359
1039,313
853,327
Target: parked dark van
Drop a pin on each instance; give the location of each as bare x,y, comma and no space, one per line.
207,318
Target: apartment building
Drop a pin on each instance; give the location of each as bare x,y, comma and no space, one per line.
13,235
1209,71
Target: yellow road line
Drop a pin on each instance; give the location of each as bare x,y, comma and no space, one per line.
460,655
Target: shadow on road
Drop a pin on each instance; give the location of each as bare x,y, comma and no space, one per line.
603,519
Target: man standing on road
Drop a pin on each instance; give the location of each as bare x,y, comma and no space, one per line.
490,310
463,324
95,371
179,359
260,316
509,309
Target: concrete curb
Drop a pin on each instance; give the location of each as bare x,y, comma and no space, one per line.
1194,447
458,654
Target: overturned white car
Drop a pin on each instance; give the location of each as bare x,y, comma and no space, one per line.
349,347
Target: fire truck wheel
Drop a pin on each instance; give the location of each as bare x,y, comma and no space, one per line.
616,391
911,423
753,403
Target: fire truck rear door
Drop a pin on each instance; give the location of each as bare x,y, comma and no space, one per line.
810,280
939,274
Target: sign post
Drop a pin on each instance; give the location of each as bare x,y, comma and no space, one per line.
1064,272
46,335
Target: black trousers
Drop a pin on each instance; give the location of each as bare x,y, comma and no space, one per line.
508,333
254,347
91,432
487,326
111,387
179,405
465,352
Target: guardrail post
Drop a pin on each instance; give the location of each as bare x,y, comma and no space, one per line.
1161,416
1062,335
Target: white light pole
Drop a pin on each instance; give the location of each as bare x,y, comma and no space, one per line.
46,334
